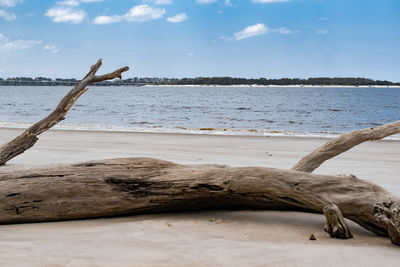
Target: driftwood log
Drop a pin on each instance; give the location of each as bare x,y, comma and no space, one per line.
139,185
28,138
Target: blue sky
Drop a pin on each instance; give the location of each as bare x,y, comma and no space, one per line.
190,38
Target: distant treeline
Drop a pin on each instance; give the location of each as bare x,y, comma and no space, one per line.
42,81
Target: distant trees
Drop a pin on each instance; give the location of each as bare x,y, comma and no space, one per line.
350,81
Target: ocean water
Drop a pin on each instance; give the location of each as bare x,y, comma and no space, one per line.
218,110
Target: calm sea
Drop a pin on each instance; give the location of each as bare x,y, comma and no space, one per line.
219,110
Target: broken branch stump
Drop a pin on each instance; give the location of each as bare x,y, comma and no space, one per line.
335,225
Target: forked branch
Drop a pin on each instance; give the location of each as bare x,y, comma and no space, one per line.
29,137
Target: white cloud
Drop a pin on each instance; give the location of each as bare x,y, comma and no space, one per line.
142,13
139,13
76,2
321,32
228,2
269,1
51,48
19,44
178,18
206,1
8,3
255,30
107,19
159,2
190,54
61,14
7,15
66,11
69,3
251,31
282,30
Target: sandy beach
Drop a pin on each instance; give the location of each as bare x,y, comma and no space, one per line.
222,238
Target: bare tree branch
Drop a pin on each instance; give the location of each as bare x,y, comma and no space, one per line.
29,137
343,143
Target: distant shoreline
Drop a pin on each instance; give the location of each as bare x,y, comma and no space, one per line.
212,85
272,86
208,81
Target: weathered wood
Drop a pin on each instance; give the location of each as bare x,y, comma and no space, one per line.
29,137
140,185
335,225
343,143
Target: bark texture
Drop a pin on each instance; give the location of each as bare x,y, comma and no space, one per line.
335,225
28,138
343,143
141,185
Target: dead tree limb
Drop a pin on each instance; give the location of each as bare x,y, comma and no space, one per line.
343,143
29,137
139,185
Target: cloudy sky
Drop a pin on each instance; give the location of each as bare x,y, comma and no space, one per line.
189,38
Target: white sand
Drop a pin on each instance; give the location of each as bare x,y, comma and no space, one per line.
222,238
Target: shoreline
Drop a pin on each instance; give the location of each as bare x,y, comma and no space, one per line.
214,85
273,86
189,131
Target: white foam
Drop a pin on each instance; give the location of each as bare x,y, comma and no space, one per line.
182,130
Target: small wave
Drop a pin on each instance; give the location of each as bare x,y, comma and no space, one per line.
390,107
367,124
334,110
267,121
185,130
139,122
294,122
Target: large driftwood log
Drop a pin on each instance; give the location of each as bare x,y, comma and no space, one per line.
343,143
139,185
28,138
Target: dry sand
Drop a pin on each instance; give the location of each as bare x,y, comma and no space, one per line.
221,238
